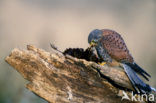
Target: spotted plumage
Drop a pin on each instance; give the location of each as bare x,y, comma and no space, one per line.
115,46
112,49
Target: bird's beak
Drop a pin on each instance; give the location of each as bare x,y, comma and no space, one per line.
92,44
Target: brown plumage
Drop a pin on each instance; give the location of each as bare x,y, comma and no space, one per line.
115,46
112,49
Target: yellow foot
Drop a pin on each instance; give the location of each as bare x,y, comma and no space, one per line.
102,64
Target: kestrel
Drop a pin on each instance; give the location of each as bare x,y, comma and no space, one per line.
112,49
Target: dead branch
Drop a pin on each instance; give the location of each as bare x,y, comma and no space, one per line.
65,79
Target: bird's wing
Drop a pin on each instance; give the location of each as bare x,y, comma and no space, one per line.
116,47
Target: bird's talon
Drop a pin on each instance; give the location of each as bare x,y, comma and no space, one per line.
102,64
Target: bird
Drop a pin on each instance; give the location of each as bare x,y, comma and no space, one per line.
111,49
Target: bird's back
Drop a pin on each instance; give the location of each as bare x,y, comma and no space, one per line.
115,46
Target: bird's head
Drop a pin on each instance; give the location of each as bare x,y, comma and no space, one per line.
94,37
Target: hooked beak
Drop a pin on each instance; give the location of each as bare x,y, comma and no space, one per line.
93,44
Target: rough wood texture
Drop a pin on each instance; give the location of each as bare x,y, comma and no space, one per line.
64,79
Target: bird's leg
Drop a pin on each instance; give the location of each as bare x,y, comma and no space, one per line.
102,53
102,63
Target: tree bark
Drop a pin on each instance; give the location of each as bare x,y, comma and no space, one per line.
59,78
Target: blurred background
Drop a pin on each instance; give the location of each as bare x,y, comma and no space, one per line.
67,23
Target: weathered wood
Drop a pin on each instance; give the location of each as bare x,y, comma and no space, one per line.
64,79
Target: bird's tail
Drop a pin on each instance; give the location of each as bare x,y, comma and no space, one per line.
139,70
137,83
153,89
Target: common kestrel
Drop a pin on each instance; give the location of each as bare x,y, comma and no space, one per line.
112,49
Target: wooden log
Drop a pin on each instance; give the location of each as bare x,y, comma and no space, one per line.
60,78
